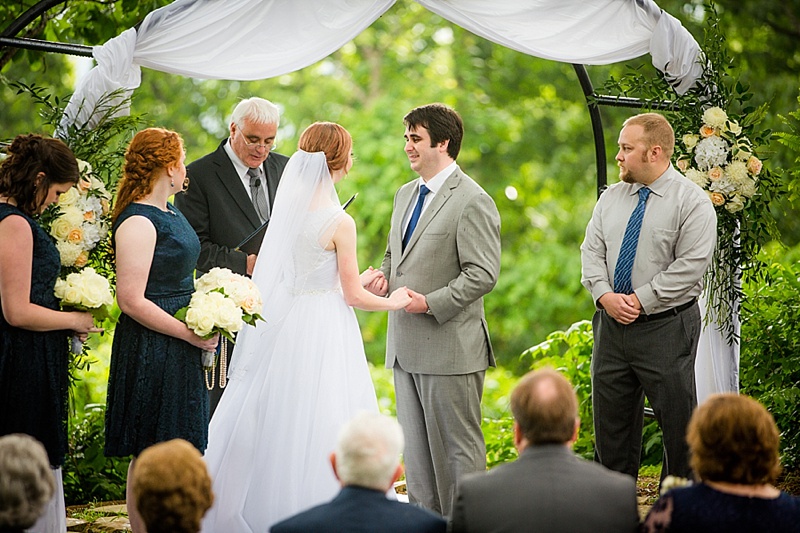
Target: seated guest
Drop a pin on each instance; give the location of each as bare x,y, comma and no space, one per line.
549,488
171,487
26,482
366,463
733,442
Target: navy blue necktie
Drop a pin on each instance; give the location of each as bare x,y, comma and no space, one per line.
423,190
627,251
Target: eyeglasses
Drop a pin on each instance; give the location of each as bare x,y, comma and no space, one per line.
268,145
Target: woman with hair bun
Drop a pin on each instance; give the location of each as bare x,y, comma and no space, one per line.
156,390
34,333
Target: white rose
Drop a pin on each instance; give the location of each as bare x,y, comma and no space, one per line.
733,127
60,288
69,197
60,228
229,316
72,214
715,117
735,203
96,289
690,140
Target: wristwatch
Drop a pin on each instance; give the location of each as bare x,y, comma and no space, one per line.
429,312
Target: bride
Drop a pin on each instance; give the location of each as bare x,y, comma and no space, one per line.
301,374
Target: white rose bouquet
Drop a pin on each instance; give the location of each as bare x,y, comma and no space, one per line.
223,302
82,219
85,290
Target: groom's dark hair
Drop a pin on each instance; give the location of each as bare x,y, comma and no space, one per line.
442,122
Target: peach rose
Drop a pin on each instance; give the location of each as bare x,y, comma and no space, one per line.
715,174
717,199
75,236
683,165
754,165
707,131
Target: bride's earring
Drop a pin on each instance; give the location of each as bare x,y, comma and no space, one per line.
172,182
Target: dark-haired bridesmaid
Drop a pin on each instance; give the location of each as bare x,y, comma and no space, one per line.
34,334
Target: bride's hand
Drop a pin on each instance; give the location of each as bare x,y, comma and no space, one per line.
399,298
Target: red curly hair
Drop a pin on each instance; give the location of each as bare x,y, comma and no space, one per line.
151,150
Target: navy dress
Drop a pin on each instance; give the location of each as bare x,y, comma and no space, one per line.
156,390
700,509
34,364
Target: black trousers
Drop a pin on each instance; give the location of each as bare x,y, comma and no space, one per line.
654,359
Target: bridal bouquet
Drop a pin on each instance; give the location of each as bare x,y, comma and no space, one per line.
223,302
85,290
81,220
719,158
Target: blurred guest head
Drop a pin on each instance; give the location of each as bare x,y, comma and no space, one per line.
171,487
734,439
368,452
545,409
36,171
26,481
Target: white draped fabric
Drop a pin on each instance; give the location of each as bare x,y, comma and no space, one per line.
258,39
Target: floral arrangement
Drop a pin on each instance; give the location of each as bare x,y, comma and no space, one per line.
223,302
81,220
719,158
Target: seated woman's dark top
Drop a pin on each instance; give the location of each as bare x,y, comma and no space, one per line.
702,509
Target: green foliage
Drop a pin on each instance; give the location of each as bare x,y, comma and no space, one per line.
770,365
88,474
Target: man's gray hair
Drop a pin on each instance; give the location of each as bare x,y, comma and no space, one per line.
256,110
368,451
26,483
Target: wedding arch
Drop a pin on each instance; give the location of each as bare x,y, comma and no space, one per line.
193,38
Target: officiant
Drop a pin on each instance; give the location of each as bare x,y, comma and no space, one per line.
231,191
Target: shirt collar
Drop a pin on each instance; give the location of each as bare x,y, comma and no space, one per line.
436,182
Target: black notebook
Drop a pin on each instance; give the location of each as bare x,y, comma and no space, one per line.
252,243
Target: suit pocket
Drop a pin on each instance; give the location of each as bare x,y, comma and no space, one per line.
435,236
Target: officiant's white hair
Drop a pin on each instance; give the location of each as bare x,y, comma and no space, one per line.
368,451
257,110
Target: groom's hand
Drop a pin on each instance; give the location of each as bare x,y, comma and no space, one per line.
419,304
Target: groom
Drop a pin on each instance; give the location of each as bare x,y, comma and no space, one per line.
444,245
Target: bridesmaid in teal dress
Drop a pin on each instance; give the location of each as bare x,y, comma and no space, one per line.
33,331
156,390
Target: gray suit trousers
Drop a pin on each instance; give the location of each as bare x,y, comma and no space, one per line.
441,420
654,359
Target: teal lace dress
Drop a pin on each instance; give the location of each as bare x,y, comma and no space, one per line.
156,390
33,364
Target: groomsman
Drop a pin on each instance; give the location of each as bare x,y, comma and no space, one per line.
647,246
444,245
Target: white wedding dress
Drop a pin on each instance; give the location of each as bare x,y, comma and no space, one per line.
298,376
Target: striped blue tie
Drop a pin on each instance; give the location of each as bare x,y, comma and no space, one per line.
627,252
423,190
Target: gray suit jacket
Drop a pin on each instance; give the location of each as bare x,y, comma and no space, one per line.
547,490
453,258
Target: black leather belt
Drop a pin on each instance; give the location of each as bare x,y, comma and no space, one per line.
665,314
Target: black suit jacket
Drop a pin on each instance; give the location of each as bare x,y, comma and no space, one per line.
219,208
357,510
548,489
